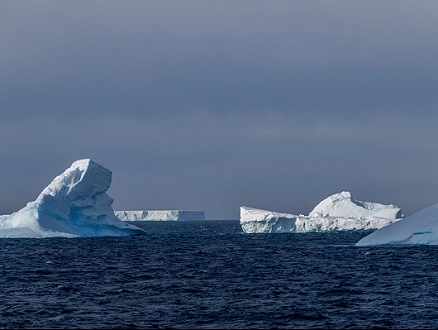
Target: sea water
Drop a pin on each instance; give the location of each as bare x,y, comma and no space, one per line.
209,274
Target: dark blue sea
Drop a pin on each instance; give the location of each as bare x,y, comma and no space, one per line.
208,274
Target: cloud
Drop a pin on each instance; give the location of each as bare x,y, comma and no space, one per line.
154,58
217,163
211,105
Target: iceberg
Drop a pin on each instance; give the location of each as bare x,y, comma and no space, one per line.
160,215
335,213
343,205
74,204
420,228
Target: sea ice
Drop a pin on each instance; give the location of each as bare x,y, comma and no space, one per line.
337,212
419,228
160,215
74,204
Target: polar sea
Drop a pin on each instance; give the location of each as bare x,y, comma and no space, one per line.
209,274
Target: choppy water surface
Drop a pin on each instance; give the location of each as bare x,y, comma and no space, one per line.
208,274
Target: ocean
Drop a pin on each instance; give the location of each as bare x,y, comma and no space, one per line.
209,274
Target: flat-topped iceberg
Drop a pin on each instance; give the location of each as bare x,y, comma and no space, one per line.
420,228
74,204
337,212
160,215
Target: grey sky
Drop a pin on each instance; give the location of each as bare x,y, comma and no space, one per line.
212,105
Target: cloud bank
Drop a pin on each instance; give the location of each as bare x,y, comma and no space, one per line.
213,105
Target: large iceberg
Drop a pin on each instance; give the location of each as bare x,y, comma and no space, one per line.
74,204
418,228
337,212
343,205
160,215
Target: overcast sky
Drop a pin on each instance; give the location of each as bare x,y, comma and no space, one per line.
212,105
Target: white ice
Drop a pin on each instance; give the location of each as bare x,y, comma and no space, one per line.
160,215
336,212
74,204
419,228
343,205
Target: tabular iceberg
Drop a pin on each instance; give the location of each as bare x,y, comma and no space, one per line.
160,215
74,204
336,212
419,228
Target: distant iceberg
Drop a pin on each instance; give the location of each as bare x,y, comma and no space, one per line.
160,215
343,205
337,212
420,228
74,204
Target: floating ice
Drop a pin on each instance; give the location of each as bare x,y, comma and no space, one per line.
336,212
343,205
419,228
160,215
74,204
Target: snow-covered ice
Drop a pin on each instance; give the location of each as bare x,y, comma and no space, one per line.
343,205
337,212
419,228
262,221
74,204
160,215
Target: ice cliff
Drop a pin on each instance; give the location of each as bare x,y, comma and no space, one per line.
160,215
337,212
420,228
74,204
